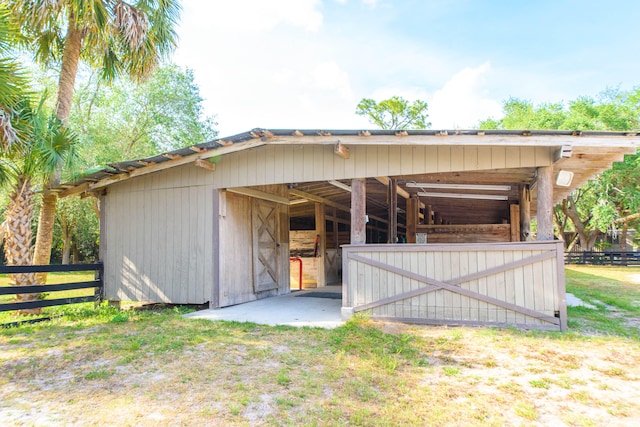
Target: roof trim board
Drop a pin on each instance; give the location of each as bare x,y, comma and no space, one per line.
625,142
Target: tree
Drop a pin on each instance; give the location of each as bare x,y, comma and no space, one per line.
12,82
27,165
112,36
126,120
613,198
395,113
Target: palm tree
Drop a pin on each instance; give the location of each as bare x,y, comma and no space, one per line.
110,35
12,82
30,163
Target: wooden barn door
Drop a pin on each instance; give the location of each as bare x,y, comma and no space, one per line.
266,245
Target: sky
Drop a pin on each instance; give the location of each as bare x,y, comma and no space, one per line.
305,64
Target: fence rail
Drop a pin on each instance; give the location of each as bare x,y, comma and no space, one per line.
603,258
97,284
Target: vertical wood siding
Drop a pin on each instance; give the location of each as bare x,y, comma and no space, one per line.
446,284
159,237
158,240
278,164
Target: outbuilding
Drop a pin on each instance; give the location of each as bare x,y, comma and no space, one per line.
420,226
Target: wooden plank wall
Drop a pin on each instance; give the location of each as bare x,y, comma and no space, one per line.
274,164
159,238
237,249
472,233
160,225
384,271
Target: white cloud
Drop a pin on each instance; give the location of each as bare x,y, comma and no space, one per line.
463,100
259,15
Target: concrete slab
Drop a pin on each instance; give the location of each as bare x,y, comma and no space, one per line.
287,309
574,301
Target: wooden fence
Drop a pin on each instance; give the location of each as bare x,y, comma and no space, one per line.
603,258
499,284
97,284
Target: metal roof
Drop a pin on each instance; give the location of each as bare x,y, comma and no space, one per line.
117,168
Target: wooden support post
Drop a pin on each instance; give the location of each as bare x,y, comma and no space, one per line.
545,203
429,215
525,213
514,220
358,211
392,235
336,235
321,234
413,206
437,218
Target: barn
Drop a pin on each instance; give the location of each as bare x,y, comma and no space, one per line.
421,226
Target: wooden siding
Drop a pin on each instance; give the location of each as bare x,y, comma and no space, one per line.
237,249
158,243
473,233
519,284
274,164
158,237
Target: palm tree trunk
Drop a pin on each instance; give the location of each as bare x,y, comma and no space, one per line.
70,59
18,237
44,237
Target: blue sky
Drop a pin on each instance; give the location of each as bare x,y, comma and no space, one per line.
307,63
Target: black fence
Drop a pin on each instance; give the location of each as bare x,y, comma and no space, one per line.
97,284
603,258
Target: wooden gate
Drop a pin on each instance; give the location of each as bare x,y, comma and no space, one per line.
501,284
266,245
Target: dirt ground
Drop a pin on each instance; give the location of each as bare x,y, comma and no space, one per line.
269,376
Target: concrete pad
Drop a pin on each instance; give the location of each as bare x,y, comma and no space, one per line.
281,310
574,301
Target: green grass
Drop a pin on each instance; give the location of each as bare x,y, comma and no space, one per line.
52,278
97,364
614,291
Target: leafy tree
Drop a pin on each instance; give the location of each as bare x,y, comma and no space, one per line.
112,36
123,121
126,120
613,198
77,231
29,164
12,82
395,113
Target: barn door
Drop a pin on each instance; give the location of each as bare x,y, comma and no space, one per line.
266,245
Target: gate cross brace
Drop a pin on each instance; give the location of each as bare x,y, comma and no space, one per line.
452,285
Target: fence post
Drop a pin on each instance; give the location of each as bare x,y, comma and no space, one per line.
99,291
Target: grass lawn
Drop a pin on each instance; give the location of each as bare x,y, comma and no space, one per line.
104,367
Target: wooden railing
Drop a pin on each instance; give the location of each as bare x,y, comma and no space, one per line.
497,284
603,258
97,284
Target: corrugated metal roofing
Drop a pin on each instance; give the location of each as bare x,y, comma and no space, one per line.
127,166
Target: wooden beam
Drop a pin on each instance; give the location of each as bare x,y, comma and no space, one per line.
412,219
358,211
205,164
545,203
331,203
246,191
525,213
341,150
514,220
74,190
392,235
321,233
340,185
401,191
177,162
